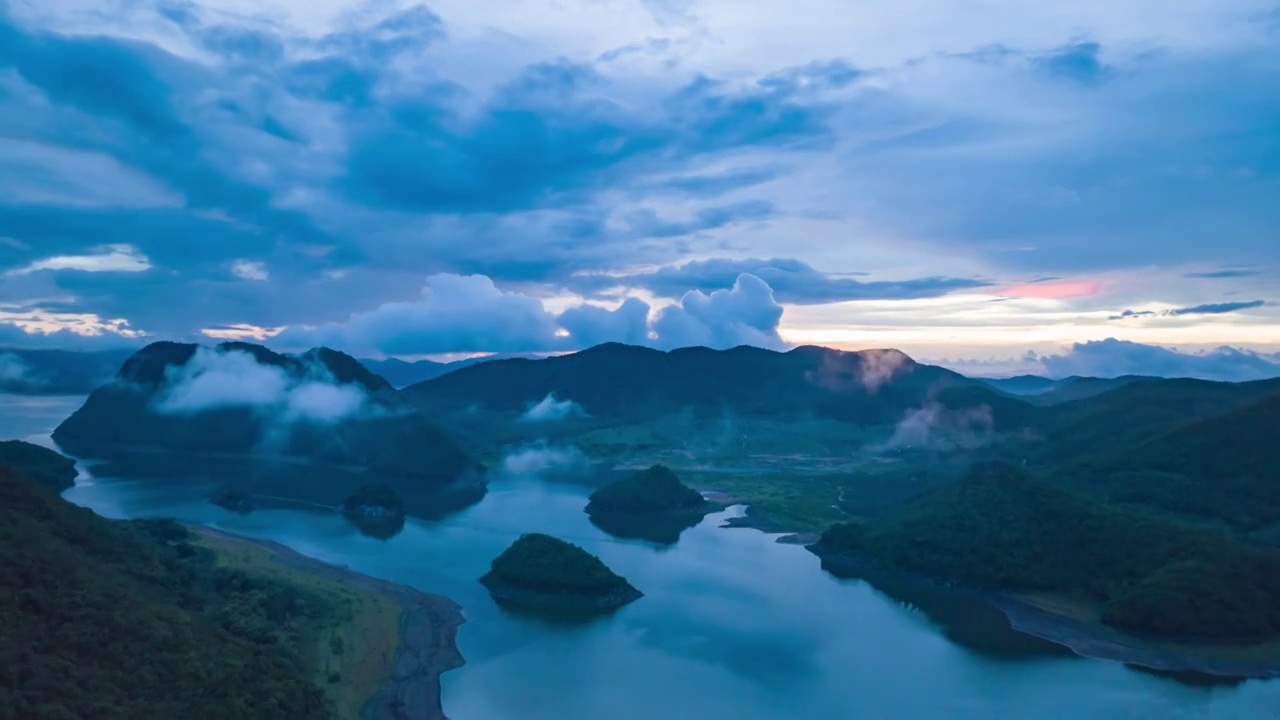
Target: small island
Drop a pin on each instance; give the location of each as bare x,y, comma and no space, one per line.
376,510
544,573
651,504
237,500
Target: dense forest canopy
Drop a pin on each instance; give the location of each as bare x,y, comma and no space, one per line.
546,564
132,621
1001,528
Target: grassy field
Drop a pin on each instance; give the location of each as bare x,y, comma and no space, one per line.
349,654
776,502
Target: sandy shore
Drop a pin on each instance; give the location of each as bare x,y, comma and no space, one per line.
428,630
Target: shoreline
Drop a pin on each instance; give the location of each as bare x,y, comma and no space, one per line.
428,632
1102,643
1088,640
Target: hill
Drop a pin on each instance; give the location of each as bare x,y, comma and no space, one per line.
239,400
542,571
1045,391
1002,529
651,504
49,469
1224,467
56,372
131,620
1108,425
873,387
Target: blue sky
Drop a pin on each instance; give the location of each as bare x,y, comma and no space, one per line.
986,183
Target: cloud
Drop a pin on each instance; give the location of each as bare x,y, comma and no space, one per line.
745,314
935,427
589,325
471,314
542,458
108,258
1113,358
216,379
250,270
456,313
1222,274
1217,308
94,334
1207,309
550,409
792,281
14,371
869,369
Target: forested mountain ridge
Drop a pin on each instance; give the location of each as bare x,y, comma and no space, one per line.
873,387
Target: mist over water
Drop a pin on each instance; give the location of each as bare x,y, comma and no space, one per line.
732,625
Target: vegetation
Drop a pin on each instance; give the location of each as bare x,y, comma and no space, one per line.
376,510
120,419
545,564
111,620
1001,528
53,470
1224,468
654,490
627,382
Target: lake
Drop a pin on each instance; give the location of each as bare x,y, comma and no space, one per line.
732,625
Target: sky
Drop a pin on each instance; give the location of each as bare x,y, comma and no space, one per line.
995,186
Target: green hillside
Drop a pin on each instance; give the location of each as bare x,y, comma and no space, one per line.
50,469
1001,528
132,621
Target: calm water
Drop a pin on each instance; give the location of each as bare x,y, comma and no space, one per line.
733,625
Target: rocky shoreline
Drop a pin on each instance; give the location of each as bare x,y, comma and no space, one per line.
428,633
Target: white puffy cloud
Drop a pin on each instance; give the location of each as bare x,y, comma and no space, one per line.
468,313
550,408
745,314
215,379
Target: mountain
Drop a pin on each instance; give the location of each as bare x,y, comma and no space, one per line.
1000,528
51,470
401,373
874,387
1108,425
56,372
1045,391
239,400
1022,384
122,621
1225,467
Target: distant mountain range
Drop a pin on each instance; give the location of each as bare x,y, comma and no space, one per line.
57,372
401,373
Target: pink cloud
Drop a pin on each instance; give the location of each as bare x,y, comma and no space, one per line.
1053,289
